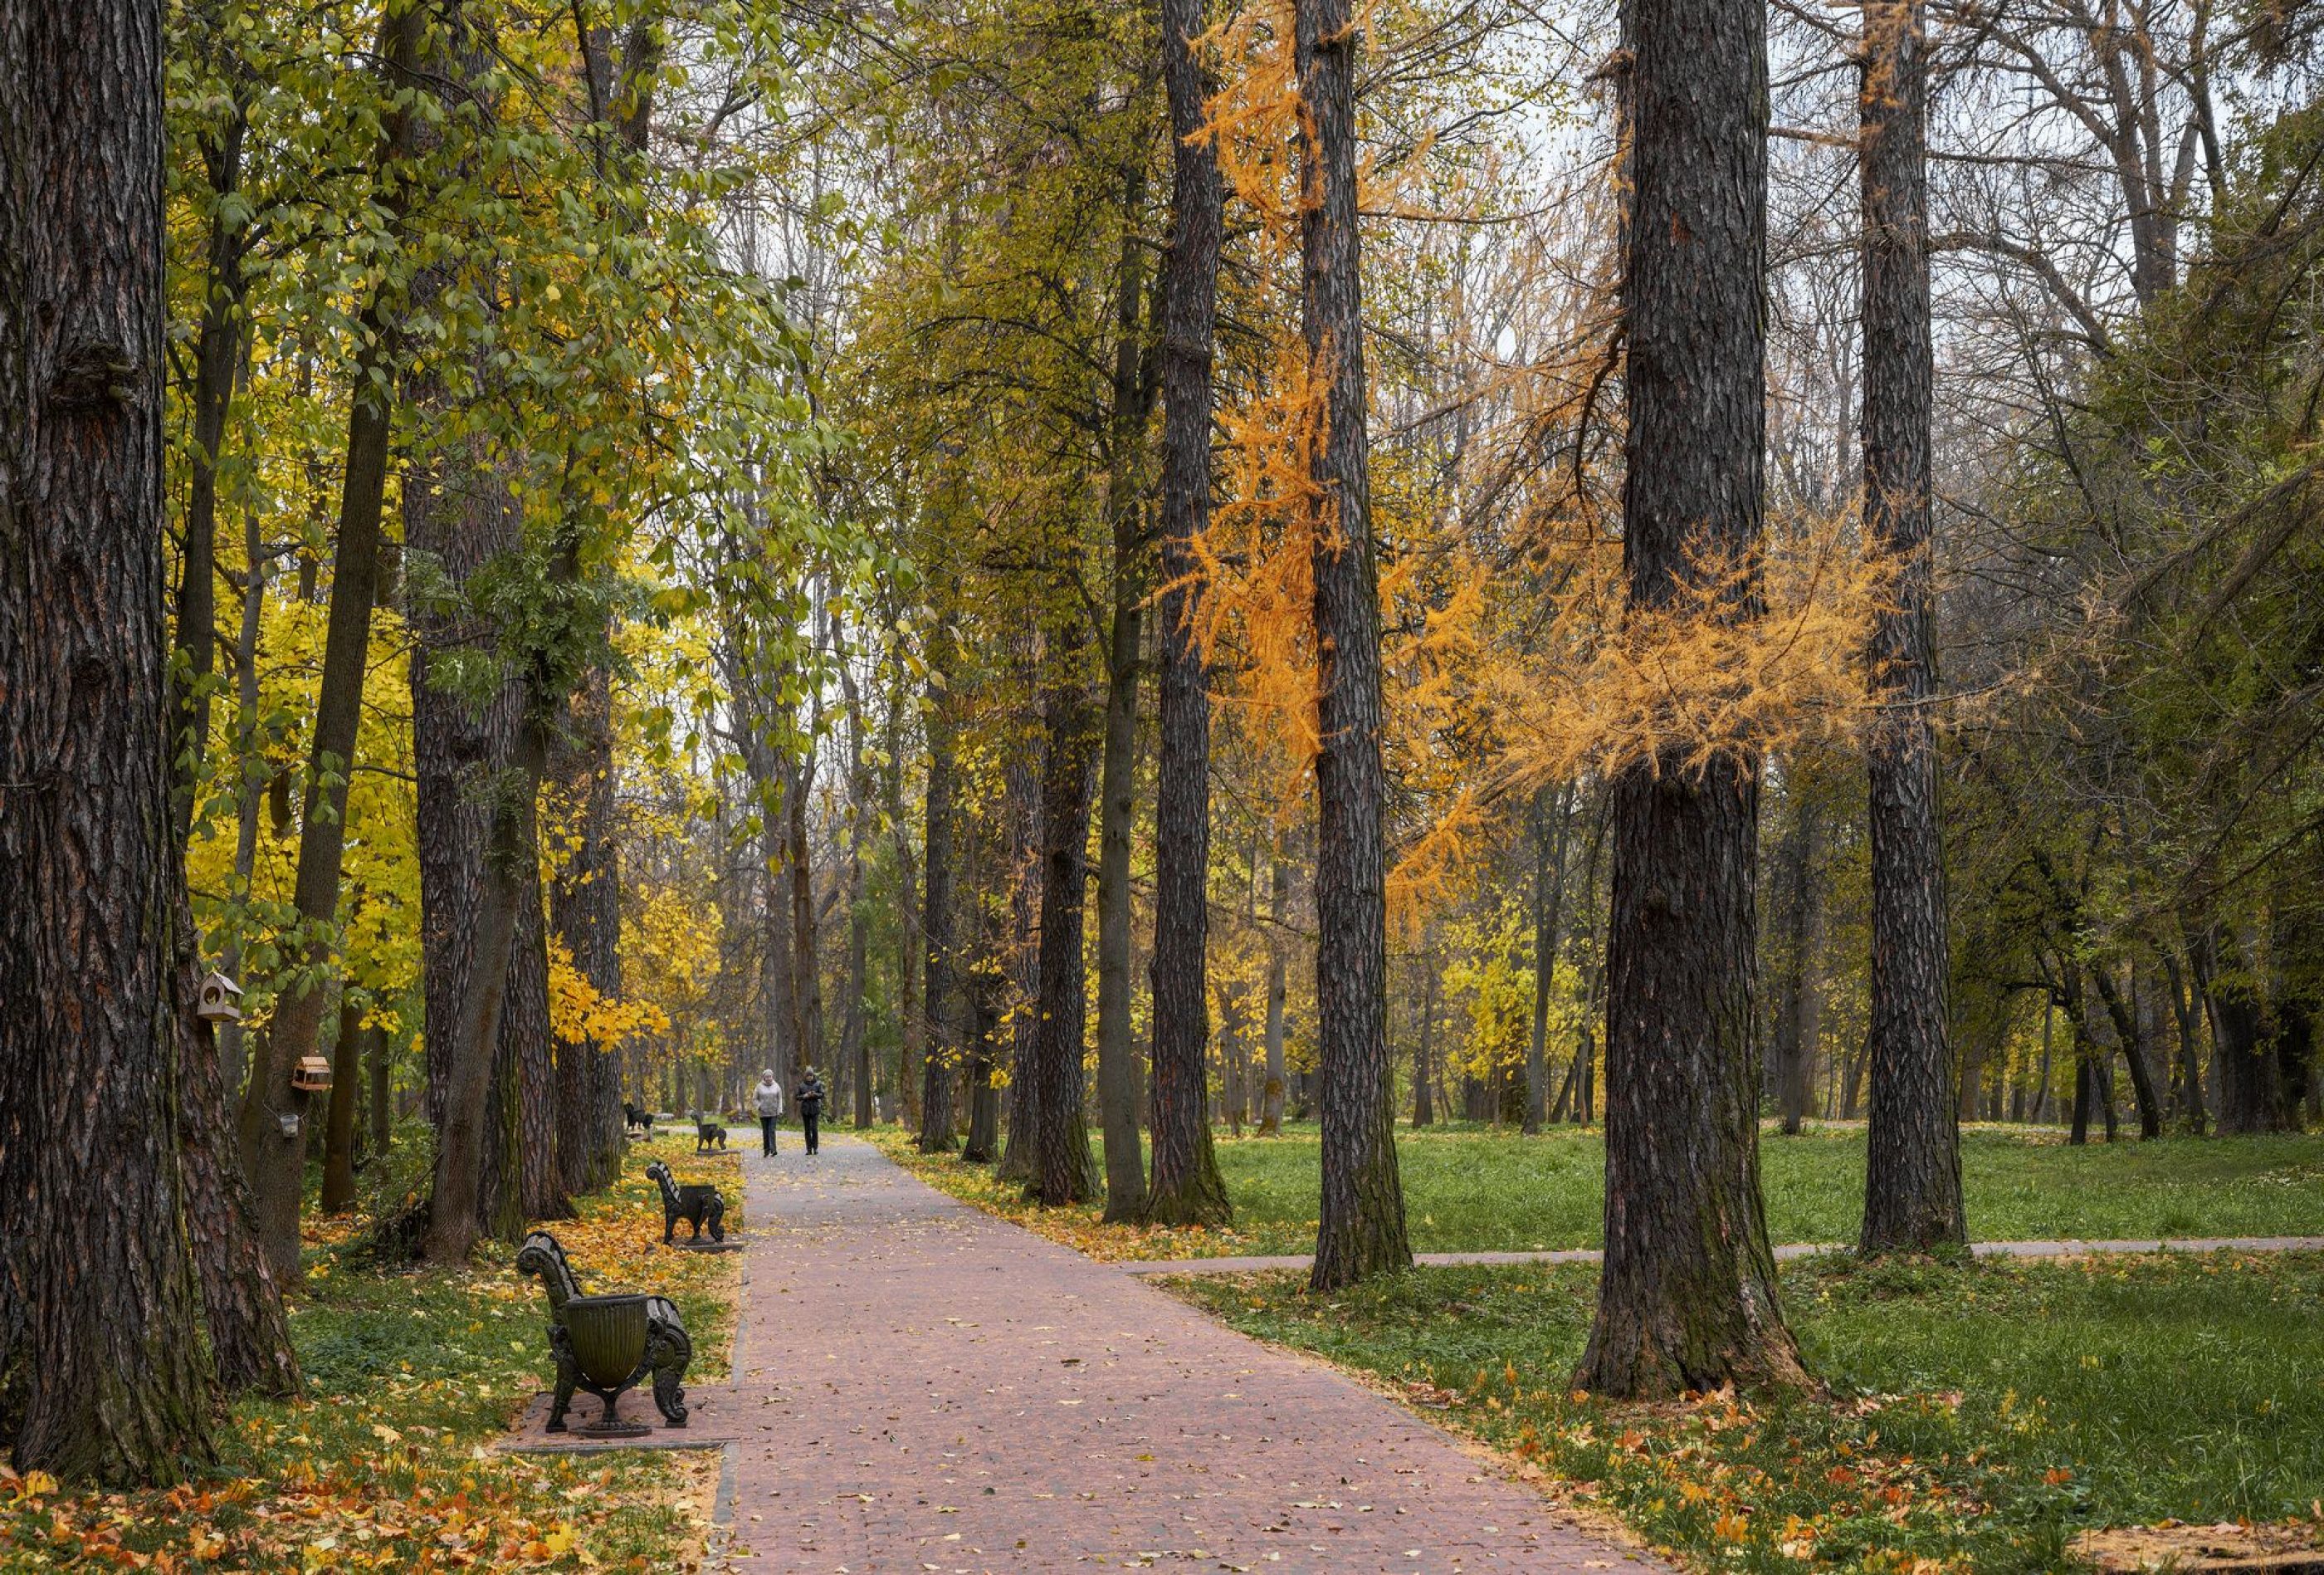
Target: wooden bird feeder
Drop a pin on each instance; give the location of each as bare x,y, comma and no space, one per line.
312,1075
215,1002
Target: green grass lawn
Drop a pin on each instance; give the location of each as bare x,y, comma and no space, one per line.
410,1373
1476,1190
1976,1417
1469,1189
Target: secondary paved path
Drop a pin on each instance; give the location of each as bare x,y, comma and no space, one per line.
923,1386
1590,1254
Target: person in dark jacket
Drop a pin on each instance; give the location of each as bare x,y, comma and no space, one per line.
810,1108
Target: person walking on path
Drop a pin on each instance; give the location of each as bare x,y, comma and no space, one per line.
810,1107
769,1097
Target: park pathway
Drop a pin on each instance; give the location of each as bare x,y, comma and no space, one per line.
921,1386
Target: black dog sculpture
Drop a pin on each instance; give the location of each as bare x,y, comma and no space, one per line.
698,1203
707,1134
640,1123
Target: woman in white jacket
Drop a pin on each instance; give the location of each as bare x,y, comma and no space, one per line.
770,1097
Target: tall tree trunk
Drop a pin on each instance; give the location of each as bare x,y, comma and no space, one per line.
936,1135
585,900
777,976
981,982
2250,1095
2127,1037
249,1335
1063,1170
1278,906
104,1372
1185,1187
220,345
1548,896
1423,1055
1117,1049
855,1043
1799,1026
528,1154
1687,1299
982,1023
339,1122
911,1027
2186,1013
1430,977
380,1068
1359,1230
806,970
585,911
456,518
1913,1185
1027,765
2079,1132
230,1036
272,1126
510,875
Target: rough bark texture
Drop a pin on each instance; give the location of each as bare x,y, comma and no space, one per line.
455,520
103,1370
1687,1297
512,877
526,1151
1117,1050
1062,1169
585,911
1360,1227
1913,1186
1185,1187
250,1334
469,755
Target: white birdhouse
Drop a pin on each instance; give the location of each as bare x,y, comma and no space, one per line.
216,1001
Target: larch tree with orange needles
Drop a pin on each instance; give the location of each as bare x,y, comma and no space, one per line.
1687,1299
1360,1229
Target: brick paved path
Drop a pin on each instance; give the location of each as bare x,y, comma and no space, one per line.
922,1387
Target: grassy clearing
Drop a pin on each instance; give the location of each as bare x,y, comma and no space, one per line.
1977,1418
1476,1189
410,1375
